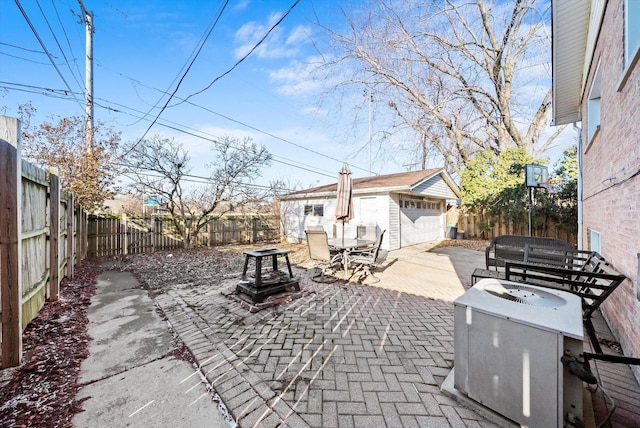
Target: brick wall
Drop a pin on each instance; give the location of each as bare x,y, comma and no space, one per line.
611,191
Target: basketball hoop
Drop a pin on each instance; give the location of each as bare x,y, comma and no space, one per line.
543,185
536,176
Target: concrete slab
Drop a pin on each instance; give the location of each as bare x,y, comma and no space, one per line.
162,393
124,327
130,379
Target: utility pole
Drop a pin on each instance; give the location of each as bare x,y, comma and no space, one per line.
370,96
88,133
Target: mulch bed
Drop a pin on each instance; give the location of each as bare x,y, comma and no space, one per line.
41,391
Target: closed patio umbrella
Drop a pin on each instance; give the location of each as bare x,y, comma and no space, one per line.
344,202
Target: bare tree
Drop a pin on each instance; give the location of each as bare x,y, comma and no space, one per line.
468,76
160,166
89,172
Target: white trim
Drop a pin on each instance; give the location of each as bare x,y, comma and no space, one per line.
593,106
595,241
595,23
631,47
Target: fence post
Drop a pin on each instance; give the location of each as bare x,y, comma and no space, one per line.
10,240
54,234
125,242
79,233
70,240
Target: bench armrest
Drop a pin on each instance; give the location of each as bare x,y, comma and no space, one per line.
592,286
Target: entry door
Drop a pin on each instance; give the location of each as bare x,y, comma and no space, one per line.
369,211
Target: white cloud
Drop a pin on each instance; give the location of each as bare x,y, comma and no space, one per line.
299,78
242,5
278,43
299,34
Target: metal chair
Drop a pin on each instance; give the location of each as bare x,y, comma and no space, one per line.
368,232
364,261
318,246
318,228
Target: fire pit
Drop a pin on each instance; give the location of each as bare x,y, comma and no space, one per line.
258,285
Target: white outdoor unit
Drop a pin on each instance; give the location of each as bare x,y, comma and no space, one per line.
509,339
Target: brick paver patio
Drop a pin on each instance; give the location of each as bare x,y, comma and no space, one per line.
340,354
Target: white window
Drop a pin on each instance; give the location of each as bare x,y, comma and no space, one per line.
595,242
593,106
631,30
314,210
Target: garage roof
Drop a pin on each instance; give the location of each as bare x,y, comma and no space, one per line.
396,182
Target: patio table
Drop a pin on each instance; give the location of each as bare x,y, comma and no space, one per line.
346,246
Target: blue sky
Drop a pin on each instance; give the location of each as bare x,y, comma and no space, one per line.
142,49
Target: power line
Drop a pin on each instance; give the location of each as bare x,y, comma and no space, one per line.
213,140
58,44
24,59
62,94
281,159
184,75
21,48
208,180
66,36
246,125
245,56
220,76
273,136
191,58
47,90
35,32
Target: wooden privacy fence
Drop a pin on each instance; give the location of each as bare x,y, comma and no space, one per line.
42,238
111,235
471,225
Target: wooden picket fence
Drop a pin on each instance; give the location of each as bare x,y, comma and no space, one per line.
113,235
42,237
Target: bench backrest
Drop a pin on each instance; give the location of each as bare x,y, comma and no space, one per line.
559,257
512,247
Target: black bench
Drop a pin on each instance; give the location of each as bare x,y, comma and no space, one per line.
583,273
591,278
513,248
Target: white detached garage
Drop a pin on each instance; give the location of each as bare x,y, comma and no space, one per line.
410,206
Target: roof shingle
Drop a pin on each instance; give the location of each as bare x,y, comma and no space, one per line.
402,179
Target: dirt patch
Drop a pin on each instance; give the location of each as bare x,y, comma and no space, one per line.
160,270
472,244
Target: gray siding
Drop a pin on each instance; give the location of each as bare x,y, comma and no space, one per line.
435,187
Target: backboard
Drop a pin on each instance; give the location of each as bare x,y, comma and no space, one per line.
537,176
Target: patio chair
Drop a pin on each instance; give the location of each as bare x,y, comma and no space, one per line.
364,261
367,232
318,246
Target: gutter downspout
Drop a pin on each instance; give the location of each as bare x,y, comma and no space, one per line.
580,225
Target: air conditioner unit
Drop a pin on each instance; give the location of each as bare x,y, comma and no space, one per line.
509,339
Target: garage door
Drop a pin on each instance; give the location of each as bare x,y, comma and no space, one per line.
420,225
